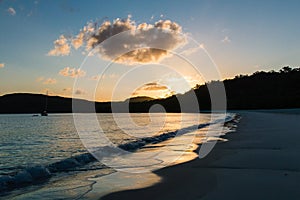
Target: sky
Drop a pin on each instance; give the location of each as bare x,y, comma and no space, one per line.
54,46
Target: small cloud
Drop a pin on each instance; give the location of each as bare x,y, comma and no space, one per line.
225,31
49,81
109,76
11,11
95,78
39,79
67,91
30,14
2,65
72,72
61,47
226,40
104,76
46,81
79,91
190,51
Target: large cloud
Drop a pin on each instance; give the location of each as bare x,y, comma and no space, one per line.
138,43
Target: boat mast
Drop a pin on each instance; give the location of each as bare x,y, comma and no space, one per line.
46,101
44,113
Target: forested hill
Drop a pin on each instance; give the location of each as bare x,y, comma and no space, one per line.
36,103
261,90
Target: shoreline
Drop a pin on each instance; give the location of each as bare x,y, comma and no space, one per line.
258,162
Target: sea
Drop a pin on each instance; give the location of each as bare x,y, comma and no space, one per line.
86,156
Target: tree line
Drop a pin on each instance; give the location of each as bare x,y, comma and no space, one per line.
260,90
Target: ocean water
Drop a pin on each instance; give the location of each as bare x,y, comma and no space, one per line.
56,157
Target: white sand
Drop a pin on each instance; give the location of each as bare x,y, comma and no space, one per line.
260,161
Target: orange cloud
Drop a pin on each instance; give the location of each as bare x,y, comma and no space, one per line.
109,76
95,78
46,81
67,89
50,81
2,65
72,72
61,47
78,41
39,79
104,76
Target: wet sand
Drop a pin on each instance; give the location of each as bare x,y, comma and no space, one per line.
260,161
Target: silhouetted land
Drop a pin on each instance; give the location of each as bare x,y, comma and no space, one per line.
261,90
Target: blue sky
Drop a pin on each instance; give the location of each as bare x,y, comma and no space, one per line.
240,36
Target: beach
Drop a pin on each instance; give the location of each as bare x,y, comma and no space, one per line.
149,100
260,161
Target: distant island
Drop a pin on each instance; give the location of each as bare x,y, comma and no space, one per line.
261,90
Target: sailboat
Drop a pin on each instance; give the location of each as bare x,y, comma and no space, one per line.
44,113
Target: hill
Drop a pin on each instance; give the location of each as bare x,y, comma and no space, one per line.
261,90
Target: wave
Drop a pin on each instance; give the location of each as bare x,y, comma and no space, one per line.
41,174
135,145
